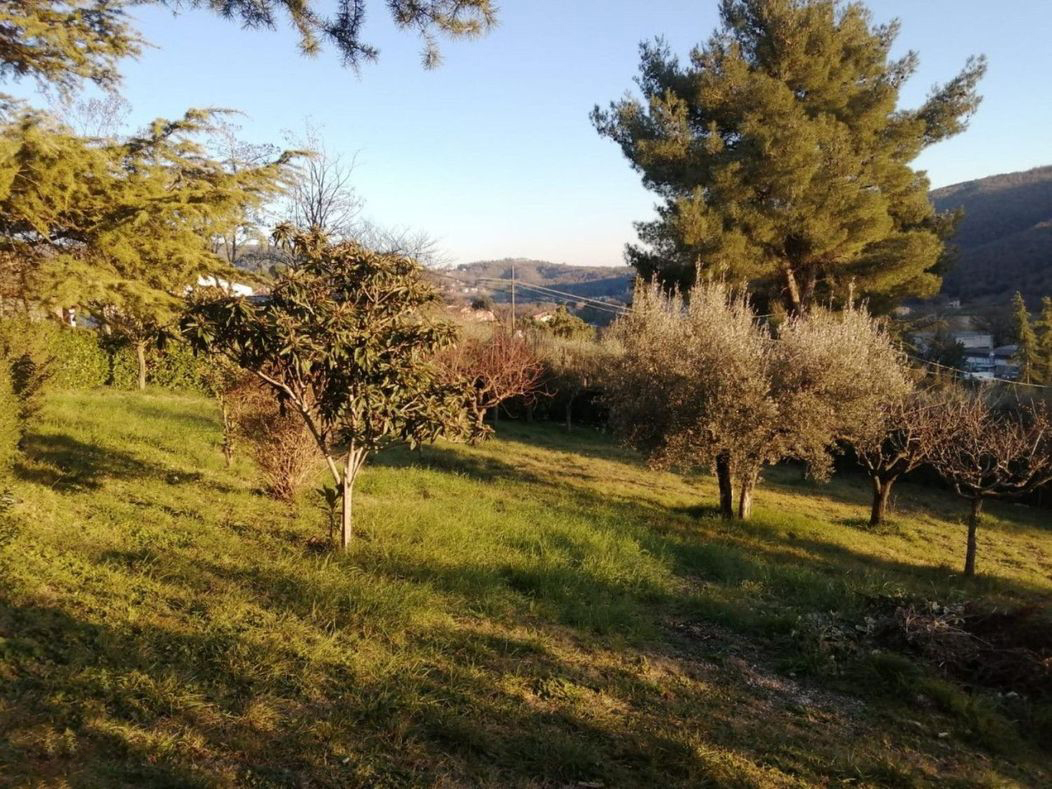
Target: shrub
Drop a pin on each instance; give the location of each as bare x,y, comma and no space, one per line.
280,443
79,360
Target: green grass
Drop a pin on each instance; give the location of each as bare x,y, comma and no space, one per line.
541,610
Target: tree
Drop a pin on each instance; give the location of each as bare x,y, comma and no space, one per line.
909,432
345,339
122,227
700,382
566,325
1028,353
573,367
992,455
61,43
1044,348
322,195
343,29
781,156
495,369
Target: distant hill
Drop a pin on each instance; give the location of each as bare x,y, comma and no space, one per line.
1005,239
613,283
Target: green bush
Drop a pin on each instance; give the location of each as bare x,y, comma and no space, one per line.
79,360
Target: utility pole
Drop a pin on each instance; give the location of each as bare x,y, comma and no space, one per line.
513,298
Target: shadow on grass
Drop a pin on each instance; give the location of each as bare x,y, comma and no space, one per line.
90,704
62,462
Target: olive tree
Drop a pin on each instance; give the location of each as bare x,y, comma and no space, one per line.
992,454
701,382
346,340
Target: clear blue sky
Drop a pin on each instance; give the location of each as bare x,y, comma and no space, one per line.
493,153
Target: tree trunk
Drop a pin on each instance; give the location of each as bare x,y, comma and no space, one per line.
140,358
973,525
793,290
352,465
569,415
723,478
748,482
881,496
228,439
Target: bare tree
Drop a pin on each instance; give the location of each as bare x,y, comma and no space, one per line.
992,454
499,368
910,430
322,196
237,155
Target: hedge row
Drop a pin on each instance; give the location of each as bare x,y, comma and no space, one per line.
81,359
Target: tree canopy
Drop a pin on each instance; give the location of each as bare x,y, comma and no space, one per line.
780,155
346,340
62,43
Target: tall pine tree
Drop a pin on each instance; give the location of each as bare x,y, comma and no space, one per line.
1044,340
781,156
1028,353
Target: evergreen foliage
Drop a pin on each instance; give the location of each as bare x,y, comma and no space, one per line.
781,156
1028,353
61,43
121,227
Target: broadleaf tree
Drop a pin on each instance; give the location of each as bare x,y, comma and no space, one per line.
700,382
347,340
780,155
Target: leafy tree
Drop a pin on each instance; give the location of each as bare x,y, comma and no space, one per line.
344,339
947,350
781,156
1028,354
703,383
992,455
122,227
573,367
566,325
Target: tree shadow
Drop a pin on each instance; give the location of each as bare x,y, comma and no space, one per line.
62,462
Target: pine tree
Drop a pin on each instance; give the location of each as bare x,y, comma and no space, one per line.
1044,327
782,157
1028,354
62,43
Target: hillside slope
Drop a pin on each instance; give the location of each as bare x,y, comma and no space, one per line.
1005,238
596,282
540,610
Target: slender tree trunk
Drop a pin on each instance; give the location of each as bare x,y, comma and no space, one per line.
793,289
973,526
140,358
748,482
881,497
569,415
228,429
352,465
723,478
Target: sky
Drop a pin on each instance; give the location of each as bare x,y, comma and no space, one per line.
493,153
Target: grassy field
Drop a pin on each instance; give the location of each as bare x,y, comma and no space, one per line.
538,611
